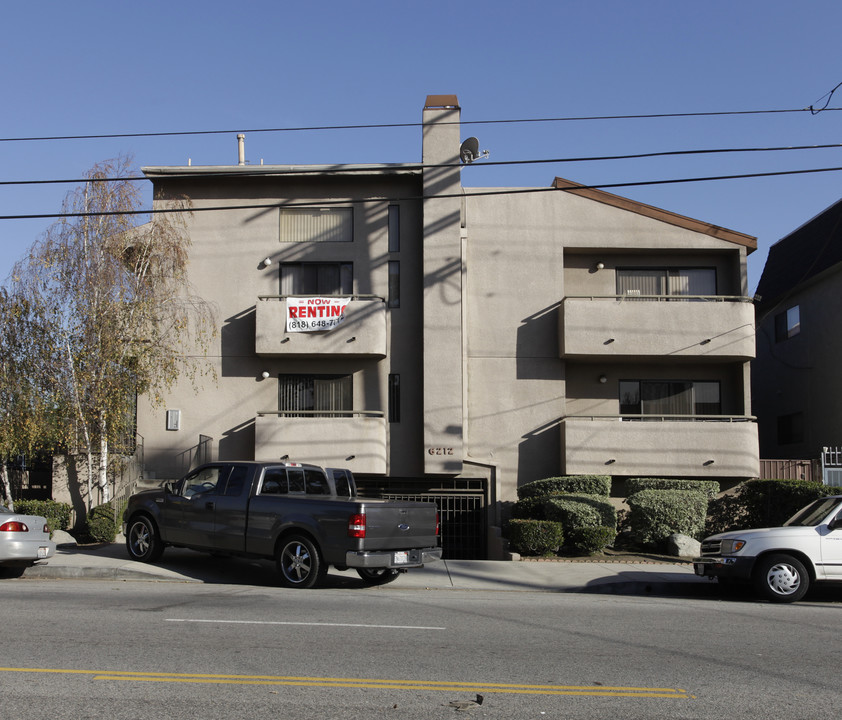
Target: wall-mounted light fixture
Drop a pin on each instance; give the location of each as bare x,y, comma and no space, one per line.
708,462
610,461
264,375
600,266
267,262
608,341
284,457
350,457
603,379
706,341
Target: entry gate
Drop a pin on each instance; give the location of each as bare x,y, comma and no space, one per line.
462,505
832,466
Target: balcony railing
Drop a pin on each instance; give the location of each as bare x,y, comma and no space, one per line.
350,439
706,446
361,334
699,326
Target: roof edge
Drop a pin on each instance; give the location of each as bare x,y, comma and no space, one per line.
650,211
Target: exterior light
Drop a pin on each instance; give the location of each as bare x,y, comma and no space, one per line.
267,262
265,375
603,379
600,266
610,461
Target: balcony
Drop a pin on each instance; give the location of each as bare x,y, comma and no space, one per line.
660,446
362,334
698,327
351,440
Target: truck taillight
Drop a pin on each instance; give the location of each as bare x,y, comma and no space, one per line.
438,525
13,526
356,525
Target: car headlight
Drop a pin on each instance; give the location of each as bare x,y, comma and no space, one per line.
731,546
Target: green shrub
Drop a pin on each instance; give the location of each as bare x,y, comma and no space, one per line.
578,511
531,508
635,485
569,484
535,537
654,515
58,514
763,503
590,539
104,522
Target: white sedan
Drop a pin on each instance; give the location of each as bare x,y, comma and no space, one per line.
24,540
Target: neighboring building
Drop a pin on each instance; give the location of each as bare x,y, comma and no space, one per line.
796,376
493,336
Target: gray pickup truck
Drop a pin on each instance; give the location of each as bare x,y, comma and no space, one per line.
303,517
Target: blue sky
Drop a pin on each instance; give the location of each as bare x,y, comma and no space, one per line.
93,67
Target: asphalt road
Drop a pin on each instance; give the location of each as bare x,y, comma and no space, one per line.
105,649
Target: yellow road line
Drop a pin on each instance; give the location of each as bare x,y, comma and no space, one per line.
368,683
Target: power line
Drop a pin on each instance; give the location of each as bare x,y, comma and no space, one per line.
378,126
259,171
466,193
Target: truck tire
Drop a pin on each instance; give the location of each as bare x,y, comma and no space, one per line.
781,578
299,562
377,576
143,541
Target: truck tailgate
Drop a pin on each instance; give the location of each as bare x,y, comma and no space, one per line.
398,525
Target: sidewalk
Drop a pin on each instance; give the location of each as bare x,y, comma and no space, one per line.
111,562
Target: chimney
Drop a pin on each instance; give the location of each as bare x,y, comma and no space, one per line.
241,149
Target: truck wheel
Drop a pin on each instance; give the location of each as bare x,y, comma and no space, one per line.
299,563
377,576
143,541
781,578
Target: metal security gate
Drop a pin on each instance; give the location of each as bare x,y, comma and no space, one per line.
462,505
832,466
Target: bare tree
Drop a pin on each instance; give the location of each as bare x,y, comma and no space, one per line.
117,311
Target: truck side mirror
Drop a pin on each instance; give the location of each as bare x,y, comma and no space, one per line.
836,523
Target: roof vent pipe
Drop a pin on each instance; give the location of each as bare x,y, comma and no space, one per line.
241,149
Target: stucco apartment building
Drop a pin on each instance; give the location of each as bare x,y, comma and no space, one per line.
491,337
796,375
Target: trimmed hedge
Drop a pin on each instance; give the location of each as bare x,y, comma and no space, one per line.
763,503
654,515
531,508
104,522
568,484
58,514
590,539
709,487
535,537
581,511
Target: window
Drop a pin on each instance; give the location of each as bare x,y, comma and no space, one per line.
666,281
328,278
788,324
394,398
274,482
204,481
394,228
394,284
669,397
317,224
236,481
791,429
316,482
315,395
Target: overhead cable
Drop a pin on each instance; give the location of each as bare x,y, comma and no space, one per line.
376,126
334,170
465,193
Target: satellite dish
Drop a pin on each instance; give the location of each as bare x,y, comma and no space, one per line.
469,151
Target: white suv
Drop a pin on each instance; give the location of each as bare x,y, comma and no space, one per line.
780,562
